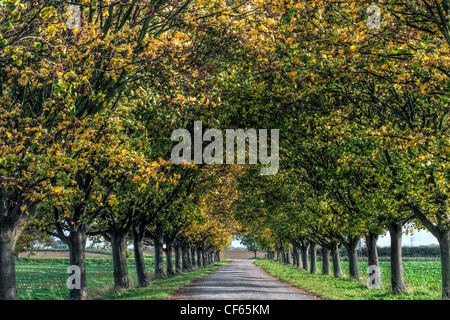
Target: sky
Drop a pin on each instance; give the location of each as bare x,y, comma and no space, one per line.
419,238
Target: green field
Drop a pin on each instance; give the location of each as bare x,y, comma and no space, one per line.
45,279
422,279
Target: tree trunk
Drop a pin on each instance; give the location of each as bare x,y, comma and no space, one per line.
8,287
372,252
299,258
397,279
337,271
194,260
121,279
169,262
142,275
305,248
184,259
444,246
188,257
313,267
371,241
294,256
218,256
77,246
159,256
352,252
326,261
177,258
199,257
12,223
204,257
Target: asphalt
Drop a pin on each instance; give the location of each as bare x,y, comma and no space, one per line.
240,280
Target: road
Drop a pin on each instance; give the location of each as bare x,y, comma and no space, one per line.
240,280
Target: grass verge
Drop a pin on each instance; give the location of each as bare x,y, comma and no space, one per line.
330,288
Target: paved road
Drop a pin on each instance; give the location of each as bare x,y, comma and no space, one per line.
240,280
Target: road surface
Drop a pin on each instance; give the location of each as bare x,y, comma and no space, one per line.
240,280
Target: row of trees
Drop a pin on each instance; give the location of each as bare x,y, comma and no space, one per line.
364,130
86,119
87,114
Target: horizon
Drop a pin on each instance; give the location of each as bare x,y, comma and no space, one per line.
419,238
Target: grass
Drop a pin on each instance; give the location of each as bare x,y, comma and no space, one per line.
45,279
327,287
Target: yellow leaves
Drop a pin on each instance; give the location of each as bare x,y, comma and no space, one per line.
19,148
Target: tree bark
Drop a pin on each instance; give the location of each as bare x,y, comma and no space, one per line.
204,257
12,223
121,279
294,256
194,260
305,248
444,247
397,279
178,258
188,257
8,287
313,267
142,275
337,271
199,257
299,258
326,261
169,262
77,247
372,252
371,241
184,259
159,256
352,251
